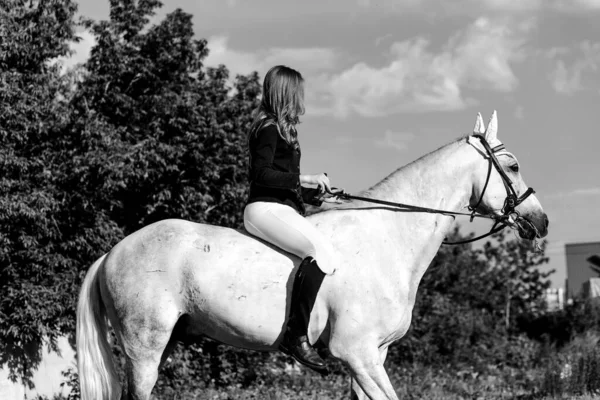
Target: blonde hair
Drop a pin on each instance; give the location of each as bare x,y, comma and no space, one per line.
282,103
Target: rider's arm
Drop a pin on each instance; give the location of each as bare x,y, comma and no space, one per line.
263,153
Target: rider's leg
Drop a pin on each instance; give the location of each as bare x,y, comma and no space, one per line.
304,292
282,226
285,228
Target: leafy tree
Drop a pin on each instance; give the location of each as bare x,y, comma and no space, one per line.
514,265
141,132
158,135
32,266
171,133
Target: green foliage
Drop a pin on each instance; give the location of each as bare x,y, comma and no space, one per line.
34,32
34,272
171,133
143,131
574,369
515,262
560,327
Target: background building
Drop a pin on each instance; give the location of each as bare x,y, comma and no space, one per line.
555,299
582,260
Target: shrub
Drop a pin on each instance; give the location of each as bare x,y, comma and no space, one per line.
575,369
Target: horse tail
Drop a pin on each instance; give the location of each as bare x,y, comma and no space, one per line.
98,379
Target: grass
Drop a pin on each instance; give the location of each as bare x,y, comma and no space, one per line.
571,373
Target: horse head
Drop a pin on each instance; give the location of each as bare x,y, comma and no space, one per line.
499,188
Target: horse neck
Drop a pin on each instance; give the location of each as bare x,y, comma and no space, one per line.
441,179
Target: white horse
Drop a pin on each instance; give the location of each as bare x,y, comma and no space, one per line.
177,279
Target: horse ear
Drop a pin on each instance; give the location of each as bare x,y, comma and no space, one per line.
479,127
492,129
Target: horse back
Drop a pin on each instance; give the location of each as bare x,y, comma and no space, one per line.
226,284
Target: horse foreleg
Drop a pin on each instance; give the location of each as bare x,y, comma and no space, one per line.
356,392
369,379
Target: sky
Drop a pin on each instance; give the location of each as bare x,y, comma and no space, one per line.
47,377
388,81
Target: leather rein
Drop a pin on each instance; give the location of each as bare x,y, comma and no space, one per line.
508,210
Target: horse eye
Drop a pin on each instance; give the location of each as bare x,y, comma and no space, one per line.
514,167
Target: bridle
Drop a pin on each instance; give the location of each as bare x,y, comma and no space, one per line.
511,201
501,221
512,198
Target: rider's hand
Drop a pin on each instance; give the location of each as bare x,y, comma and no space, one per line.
333,196
322,181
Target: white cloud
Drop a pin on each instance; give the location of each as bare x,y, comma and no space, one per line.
567,76
314,63
419,79
308,60
415,77
396,140
237,61
565,81
410,82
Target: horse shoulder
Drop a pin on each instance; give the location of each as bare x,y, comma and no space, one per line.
362,295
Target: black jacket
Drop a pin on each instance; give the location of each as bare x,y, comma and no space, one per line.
275,171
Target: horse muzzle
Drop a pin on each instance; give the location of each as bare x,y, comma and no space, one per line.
533,227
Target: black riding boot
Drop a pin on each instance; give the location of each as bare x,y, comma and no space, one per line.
304,292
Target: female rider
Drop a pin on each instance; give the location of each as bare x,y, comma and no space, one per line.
276,203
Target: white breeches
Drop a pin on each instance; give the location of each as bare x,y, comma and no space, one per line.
282,226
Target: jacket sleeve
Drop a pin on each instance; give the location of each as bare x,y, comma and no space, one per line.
262,154
309,196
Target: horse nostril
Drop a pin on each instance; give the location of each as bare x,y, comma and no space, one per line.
546,221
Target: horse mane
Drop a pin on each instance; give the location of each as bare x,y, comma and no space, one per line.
382,184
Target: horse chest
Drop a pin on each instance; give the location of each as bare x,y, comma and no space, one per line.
386,316
394,321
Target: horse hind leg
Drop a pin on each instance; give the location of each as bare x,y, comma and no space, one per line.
178,334
141,378
146,348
